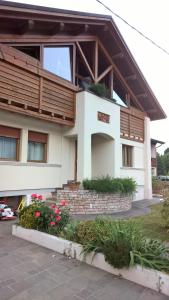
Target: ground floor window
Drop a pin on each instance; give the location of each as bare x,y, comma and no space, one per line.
9,143
37,146
127,156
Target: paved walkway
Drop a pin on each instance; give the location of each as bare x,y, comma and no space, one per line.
139,208
30,272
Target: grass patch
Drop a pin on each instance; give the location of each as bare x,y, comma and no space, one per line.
153,224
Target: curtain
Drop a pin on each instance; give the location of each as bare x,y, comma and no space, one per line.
36,151
8,147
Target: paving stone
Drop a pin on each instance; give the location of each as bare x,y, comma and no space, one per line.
36,273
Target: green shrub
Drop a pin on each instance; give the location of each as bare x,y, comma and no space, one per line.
99,89
151,253
165,210
27,217
69,232
44,218
122,243
106,184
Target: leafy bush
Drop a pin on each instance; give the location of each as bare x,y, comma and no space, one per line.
106,184
122,243
99,89
165,210
151,253
27,217
40,216
69,232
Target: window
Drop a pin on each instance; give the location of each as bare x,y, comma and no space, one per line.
58,61
37,146
9,143
127,156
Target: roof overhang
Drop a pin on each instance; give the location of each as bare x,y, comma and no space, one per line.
112,38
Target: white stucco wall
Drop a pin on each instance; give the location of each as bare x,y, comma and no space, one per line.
21,175
102,156
137,171
87,107
99,150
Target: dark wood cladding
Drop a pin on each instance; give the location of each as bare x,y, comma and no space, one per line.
10,132
132,124
28,89
37,137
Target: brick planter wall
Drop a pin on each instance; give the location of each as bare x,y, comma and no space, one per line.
90,202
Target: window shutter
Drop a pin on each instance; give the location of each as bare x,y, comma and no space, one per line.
37,137
10,132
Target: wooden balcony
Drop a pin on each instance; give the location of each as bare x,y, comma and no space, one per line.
132,124
28,89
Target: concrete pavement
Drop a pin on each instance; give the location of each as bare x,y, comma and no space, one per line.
30,272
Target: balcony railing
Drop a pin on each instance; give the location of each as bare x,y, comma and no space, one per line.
26,88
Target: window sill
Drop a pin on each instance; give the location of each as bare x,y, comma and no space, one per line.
132,168
29,164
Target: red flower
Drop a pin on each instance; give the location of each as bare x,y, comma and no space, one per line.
34,196
63,202
58,218
52,223
53,206
37,214
56,210
40,197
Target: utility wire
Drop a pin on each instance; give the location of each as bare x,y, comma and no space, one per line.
134,28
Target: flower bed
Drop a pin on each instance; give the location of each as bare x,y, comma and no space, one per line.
117,246
149,278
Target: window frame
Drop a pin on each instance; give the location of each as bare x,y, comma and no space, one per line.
39,136
71,52
127,159
11,132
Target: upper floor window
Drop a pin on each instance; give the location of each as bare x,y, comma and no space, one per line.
9,143
37,146
127,156
58,61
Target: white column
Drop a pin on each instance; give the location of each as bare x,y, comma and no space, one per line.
24,145
117,154
147,160
84,157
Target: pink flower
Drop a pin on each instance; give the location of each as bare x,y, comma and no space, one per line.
37,214
40,197
53,206
34,196
58,218
52,223
63,203
56,210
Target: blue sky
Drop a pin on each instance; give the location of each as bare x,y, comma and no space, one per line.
151,17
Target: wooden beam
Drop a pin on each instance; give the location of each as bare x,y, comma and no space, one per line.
118,55
84,28
111,82
85,60
131,77
152,110
28,25
120,76
143,95
58,28
96,53
74,64
104,73
105,28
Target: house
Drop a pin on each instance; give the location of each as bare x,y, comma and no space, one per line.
154,145
52,128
